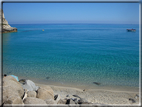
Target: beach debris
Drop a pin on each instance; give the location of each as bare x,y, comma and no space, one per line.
97,83
47,78
76,96
132,100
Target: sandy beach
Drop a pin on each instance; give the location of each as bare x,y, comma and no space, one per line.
99,96
103,96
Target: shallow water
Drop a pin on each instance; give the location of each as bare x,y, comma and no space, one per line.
74,53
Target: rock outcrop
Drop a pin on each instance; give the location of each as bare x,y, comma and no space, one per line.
5,26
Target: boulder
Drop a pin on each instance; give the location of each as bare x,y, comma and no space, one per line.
14,85
12,91
50,101
13,100
32,100
45,92
31,94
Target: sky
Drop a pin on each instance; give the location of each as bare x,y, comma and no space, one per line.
103,13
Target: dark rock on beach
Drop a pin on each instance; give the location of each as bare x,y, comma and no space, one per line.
132,100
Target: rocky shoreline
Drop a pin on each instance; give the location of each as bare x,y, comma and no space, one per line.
14,93
6,28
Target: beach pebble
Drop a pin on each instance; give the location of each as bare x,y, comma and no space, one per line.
45,92
31,94
32,100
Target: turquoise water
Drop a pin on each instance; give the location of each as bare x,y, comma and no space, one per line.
74,53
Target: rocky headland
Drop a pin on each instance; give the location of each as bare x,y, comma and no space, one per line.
5,26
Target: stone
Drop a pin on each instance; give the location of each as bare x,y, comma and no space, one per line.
14,100
58,98
14,85
83,101
32,100
76,96
12,91
71,101
62,101
55,97
45,92
67,95
50,101
132,100
31,94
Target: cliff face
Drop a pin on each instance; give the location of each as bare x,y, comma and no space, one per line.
5,26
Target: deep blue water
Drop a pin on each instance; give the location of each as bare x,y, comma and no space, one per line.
74,53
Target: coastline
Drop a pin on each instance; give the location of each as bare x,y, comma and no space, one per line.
118,95
97,96
84,86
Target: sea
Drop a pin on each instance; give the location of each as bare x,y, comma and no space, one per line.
77,54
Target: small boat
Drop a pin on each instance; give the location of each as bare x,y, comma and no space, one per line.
131,30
